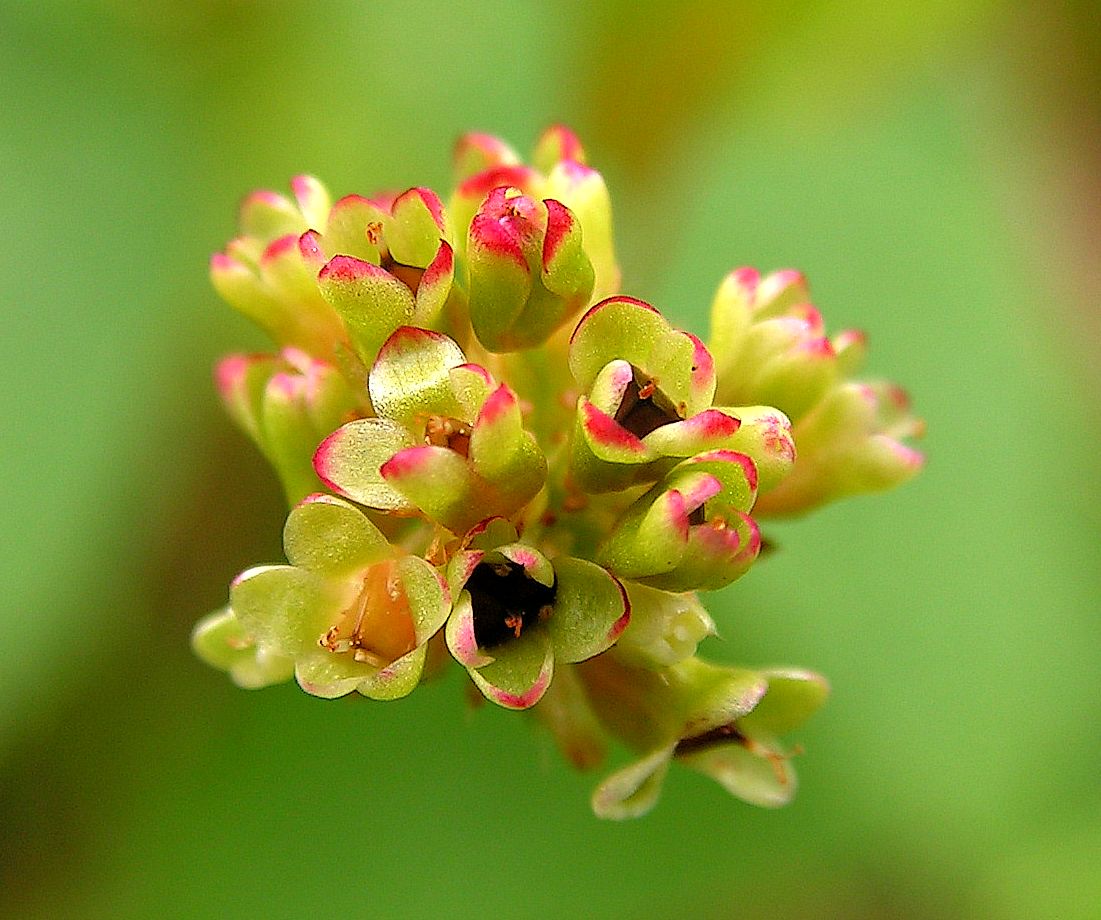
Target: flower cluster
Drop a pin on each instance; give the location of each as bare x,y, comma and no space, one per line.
495,457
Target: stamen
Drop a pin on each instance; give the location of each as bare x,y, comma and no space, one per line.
377,628
440,431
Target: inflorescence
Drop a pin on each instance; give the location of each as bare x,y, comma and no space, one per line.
489,451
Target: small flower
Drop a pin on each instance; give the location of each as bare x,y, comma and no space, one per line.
770,346
352,612
851,443
529,273
516,612
286,404
648,391
221,641
559,172
262,272
723,722
448,441
382,264
692,530
665,627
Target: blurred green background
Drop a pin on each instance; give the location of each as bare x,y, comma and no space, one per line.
934,167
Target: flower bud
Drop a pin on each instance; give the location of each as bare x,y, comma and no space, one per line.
528,270
448,441
221,641
287,404
851,444
692,530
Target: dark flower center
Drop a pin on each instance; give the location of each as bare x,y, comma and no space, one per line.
723,734
644,407
506,600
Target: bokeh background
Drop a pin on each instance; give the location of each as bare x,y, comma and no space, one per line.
934,167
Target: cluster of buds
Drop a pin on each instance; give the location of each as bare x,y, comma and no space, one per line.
494,457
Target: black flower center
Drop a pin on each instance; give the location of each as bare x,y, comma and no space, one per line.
506,600
723,734
644,407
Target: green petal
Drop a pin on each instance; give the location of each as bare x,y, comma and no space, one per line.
427,595
475,152
619,327
313,200
221,641
435,286
583,191
371,301
769,782
590,610
504,454
329,676
332,537
471,385
441,484
491,533
353,228
779,292
793,696
650,538
707,430
396,680
607,440
634,790
606,392
588,472
267,215
241,381
289,435
765,436
239,286
411,377
567,271
500,271
735,472
685,369
731,317
416,227
284,272
286,608
520,672
460,637
555,144
796,379
714,695
349,460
